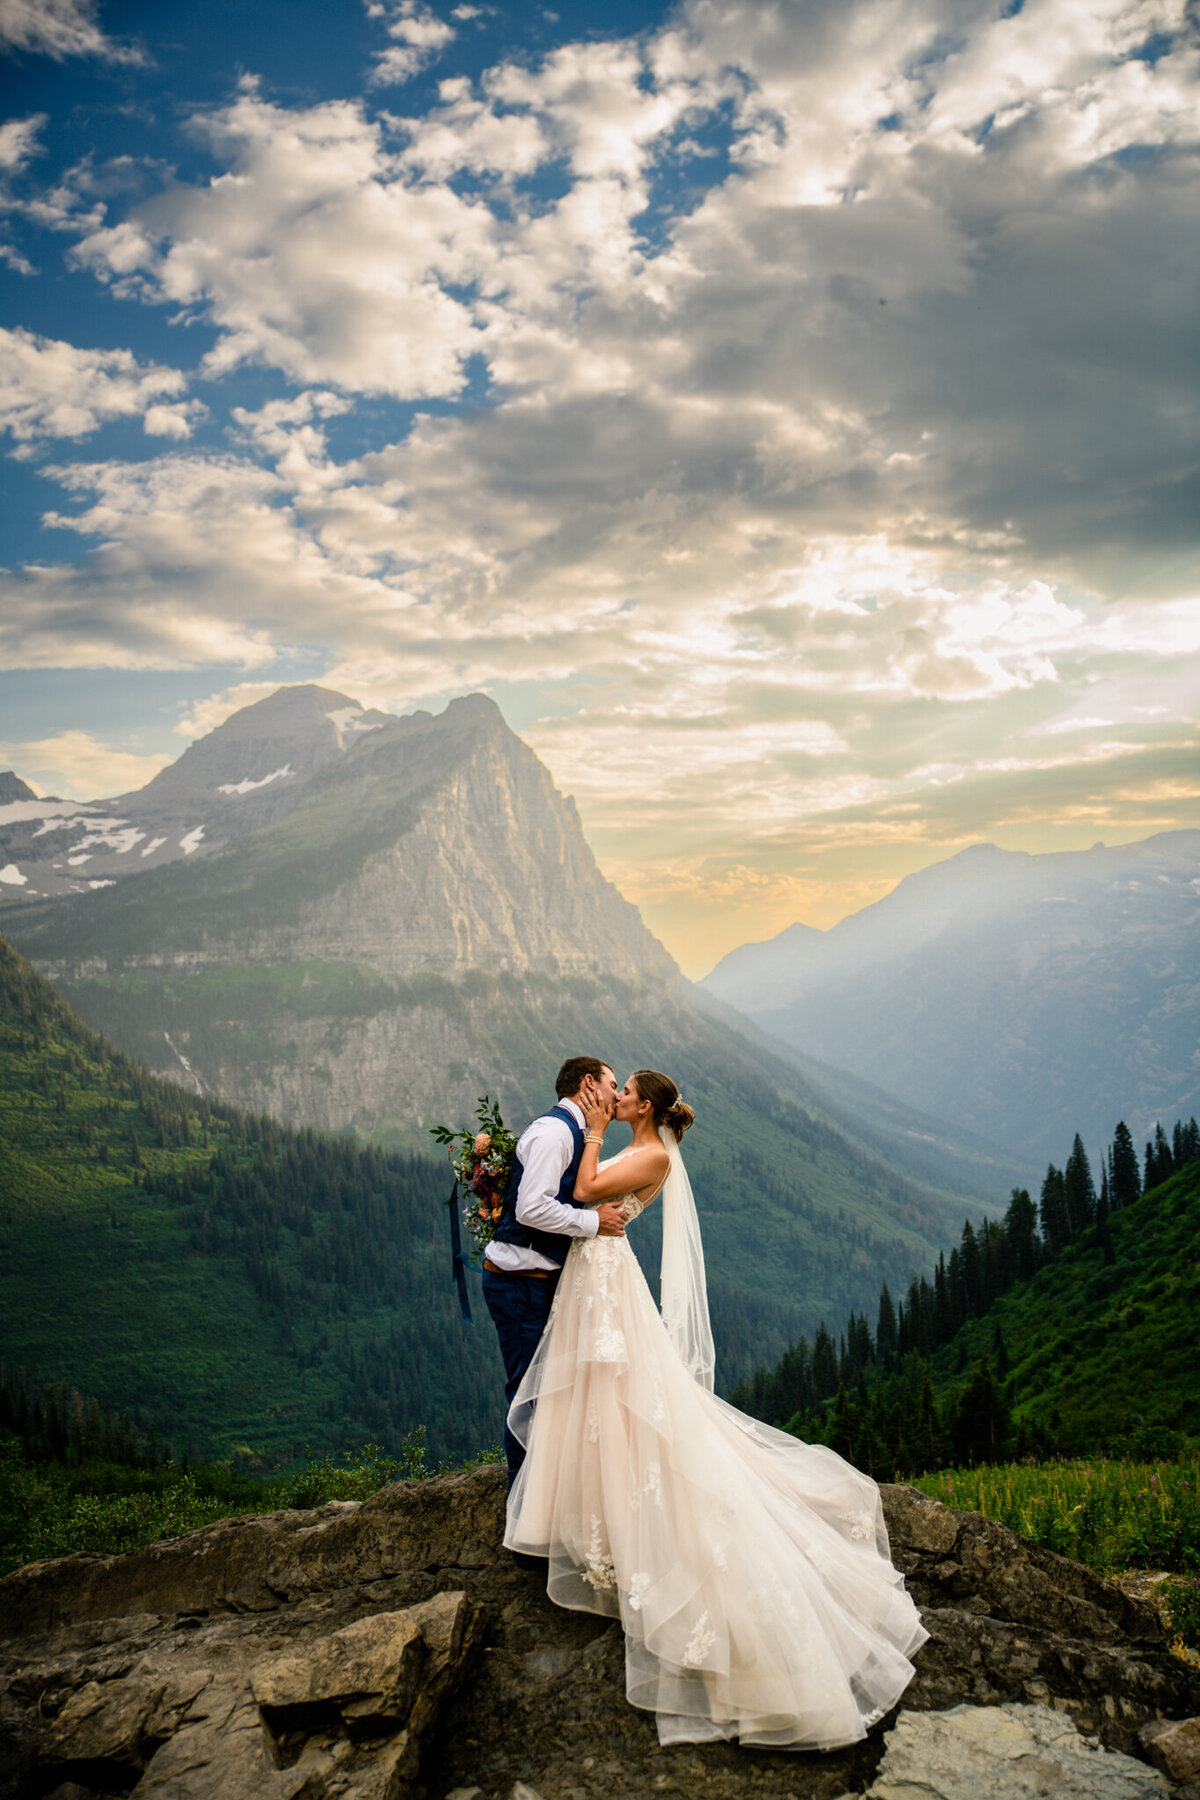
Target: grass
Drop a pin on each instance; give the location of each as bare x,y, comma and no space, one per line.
53,1509
1112,1515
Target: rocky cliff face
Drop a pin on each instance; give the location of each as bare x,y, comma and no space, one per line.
339,963
390,1649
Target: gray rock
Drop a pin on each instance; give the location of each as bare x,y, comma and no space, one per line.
1005,1753
273,1657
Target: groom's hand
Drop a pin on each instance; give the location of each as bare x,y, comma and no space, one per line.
612,1223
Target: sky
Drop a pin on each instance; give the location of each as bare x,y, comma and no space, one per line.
786,410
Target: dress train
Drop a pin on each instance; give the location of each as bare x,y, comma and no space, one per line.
750,1571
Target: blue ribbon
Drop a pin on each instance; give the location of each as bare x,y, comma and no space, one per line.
458,1261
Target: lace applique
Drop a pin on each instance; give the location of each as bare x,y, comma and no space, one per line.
593,1424
637,1590
659,1415
654,1483
720,1560
861,1523
599,1572
610,1344
700,1642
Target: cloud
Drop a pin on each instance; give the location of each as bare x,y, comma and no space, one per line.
59,28
51,389
317,257
813,424
75,765
19,141
417,36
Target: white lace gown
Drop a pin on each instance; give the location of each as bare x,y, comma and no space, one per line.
750,1571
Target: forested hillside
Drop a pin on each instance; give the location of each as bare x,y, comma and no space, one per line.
235,1285
1069,1326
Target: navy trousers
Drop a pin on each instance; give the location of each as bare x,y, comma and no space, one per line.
520,1306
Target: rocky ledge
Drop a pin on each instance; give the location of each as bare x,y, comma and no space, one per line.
392,1650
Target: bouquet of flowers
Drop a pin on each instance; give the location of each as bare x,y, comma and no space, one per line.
482,1161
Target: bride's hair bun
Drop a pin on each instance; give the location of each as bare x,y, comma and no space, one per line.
679,1118
663,1095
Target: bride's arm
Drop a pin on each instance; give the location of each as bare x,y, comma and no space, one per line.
624,1175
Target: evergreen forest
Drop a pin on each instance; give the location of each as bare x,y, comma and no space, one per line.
224,1285
1066,1328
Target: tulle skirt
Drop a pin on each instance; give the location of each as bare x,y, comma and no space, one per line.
750,1571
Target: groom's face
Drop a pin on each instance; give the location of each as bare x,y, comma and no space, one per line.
602,1090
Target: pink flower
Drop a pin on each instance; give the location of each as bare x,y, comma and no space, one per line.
482,1143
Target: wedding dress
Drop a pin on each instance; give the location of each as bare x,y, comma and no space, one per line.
750,1571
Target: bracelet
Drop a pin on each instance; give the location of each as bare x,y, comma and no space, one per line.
593,1137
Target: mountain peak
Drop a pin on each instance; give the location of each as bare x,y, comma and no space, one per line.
13,788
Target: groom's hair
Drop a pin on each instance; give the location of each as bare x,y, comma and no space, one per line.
569,1079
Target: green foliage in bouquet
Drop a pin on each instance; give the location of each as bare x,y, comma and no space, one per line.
482,1162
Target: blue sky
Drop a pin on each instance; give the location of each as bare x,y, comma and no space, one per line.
786,410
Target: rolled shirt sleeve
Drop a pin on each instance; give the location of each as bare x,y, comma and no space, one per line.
545,1151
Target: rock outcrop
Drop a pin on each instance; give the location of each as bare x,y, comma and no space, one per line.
392,1648
1005,1753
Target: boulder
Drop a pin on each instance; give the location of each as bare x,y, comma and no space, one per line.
393,1649
1005,1753
1174,1747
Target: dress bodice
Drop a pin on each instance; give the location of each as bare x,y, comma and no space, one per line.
629,1203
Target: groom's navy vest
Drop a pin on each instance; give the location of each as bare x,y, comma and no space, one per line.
551,1243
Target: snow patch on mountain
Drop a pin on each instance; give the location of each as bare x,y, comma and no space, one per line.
351,719
58,812
154,844
119,837
192,840
247,785
12,876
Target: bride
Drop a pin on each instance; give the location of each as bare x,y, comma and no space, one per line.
750,1571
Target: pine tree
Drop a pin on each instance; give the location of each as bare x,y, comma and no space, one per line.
1124,1187
1053,1211
1020,1226
824,1365
1079,1192
972,1271
981,1426
886,1341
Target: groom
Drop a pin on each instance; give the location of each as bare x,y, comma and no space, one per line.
539,1218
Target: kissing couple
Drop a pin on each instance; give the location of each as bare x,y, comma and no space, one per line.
750,1571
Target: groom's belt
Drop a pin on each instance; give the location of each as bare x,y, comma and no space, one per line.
521,1274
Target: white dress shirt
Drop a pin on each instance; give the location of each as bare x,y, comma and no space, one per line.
545,1149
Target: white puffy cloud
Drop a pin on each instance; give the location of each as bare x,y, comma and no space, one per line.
51,389
315,256
59,28
19,141
417,35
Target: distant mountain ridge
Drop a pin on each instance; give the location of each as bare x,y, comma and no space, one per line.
1021,997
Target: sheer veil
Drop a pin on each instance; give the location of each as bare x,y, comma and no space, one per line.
684,1290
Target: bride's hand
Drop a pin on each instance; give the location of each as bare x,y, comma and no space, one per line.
598,1118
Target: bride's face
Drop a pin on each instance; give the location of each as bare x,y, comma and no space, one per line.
626,1109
